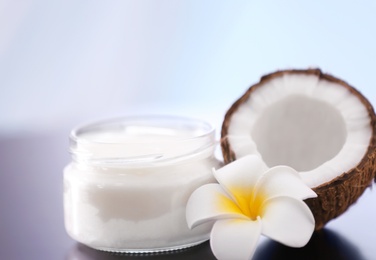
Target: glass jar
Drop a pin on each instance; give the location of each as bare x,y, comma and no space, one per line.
130,179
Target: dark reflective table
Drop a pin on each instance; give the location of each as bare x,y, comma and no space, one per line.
31,214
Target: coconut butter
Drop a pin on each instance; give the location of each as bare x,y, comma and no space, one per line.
127,186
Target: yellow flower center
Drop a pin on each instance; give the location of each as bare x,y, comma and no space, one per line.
248,204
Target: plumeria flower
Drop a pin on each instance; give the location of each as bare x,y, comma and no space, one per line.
249,200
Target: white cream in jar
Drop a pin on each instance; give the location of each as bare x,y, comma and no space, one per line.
130,179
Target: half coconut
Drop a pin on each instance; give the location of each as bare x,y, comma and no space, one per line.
314,123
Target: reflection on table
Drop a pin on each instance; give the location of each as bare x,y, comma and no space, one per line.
324,244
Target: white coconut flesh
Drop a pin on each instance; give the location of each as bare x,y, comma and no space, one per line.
315,126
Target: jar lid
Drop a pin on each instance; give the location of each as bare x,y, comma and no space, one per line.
142,141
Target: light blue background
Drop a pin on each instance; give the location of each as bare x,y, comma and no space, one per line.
66,62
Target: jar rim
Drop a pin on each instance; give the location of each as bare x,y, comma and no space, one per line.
109,142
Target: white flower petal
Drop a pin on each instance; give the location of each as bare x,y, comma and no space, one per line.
283,181
210,202
288,221
235,239
240,176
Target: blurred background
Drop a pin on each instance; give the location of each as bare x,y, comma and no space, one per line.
64,63
67,62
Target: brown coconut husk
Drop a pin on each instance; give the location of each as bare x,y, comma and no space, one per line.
336,196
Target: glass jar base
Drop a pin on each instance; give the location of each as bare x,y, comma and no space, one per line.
149,251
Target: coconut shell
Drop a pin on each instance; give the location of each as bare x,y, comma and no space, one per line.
336,196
